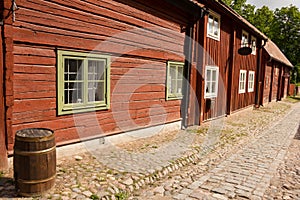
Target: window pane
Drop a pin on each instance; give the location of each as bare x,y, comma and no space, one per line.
95,91
73,69
96,70
216,27
173,72
208,75
179,86
210,24
214,75
173,86
100,92
180,72
73,93
208,87
213,87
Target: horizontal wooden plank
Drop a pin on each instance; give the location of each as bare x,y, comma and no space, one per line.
112,28
34,60
35,94
34,69
35,51
62,41
34,104
33,86
35,77
135,41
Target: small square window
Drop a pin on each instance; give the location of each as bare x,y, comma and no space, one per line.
213,26
251,81
83,82
174,80
242,81
211,81
245,39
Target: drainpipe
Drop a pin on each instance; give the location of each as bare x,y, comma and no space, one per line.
258,69
188,48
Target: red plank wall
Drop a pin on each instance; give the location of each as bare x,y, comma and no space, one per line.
138,63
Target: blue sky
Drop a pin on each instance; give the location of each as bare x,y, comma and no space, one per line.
273,4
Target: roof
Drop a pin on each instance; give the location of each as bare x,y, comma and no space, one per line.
276,54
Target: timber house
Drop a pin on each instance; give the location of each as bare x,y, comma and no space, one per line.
88,69
276,69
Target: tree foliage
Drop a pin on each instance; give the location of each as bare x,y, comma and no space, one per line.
282,26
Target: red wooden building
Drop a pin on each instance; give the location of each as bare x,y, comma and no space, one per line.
91,68
87,69
276,72
227,81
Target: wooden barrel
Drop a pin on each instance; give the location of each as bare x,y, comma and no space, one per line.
34,161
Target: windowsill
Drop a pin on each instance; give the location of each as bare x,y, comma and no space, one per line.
210,97
82,110
213,37
173,98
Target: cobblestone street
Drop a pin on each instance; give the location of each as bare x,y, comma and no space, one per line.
252,154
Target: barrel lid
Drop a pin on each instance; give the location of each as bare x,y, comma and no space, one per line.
34,133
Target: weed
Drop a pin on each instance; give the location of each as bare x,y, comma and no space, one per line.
94,197
202,131
122,195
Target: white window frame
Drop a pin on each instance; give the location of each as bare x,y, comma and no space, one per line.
253,45
242,81
212,35
245,42
179,78
251,78
209,83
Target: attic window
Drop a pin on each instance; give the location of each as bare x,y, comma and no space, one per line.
253,45
245,39
213,26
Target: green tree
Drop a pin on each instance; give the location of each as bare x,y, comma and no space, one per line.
244,9
263,20
228,2
238,6
285,32
248,12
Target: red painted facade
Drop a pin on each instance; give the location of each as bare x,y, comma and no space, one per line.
276,74
140,37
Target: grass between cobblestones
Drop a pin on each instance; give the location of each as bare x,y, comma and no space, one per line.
292,99
88,178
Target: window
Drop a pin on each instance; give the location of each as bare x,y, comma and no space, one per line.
251,81
83,82
253,45
242,81
245,38
211,81
213,26
174,80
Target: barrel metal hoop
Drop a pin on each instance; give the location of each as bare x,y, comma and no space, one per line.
36,181
26,153
35,139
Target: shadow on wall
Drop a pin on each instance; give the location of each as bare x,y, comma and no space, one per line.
297,136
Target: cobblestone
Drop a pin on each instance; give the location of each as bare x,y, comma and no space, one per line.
222,162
